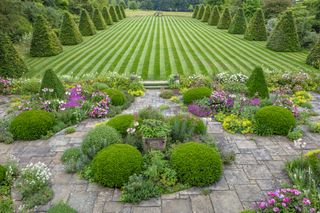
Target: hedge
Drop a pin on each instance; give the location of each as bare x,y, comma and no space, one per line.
86,25
214,16
98,20
256,30
225,19
106,16
69,31
51,81
238,23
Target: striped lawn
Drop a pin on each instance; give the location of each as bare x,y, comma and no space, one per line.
155,47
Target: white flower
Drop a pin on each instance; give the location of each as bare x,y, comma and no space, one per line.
136,123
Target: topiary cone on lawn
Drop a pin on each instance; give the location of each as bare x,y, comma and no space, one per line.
118,11
206,14
86,25
225,20
44,40
256,30
214,16
201,11
106,16
113,14
98,20
195,11
238,23
313,58
284,37
69,31
123,13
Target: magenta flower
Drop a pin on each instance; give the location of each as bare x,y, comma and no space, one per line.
312,210
284,204
200,111
262,205
271,202
286,200
276,209
306,201
255,101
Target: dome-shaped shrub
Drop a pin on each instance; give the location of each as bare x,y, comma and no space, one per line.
113,166
274,120
121,123
195,94
118,98
98,139
31,125
3,171
196,164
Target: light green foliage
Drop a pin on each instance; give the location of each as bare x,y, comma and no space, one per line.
238,23
98,20
44,40
70,158
150,113
200,12
214,16
195,94
154,129
166,94
117,97
121,123
86,25
256,30
106,16
50,81
69,32
225,19
257,84
206,14
113,14
61,208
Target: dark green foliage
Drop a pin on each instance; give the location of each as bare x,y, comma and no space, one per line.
256,30
69,32
98,20
113,166
272,8
121,123
274,120
313,58
195,94
195,11
31,125
70,158
214,16
150,113
61,208
257,84
51,81
238,23
118,98
284,37
123,13
44,40
196,164
106,16
201,11
113,14
11,64
98,139
206,14
118,11
3,171
225,19
86,25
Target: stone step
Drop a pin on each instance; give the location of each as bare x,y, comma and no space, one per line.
155,84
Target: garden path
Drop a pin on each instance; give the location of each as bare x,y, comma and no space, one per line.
259,167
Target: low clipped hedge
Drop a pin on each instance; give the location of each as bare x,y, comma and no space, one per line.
274,120
3,171
118,98
113,166
31,125
121,123
98,139
196,164
195,94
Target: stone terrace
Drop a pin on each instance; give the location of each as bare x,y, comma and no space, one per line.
259,167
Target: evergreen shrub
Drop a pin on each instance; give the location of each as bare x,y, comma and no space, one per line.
214,16
121,123
238,23
257,84
106,16
195,94
98,20
225,19
256,30
69,32
51,81
86,25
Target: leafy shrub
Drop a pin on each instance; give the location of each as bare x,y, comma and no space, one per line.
257,84
113,166
86,25
314,55
69,31
151,128
301,98
238,23
98,20
284,37
274,120
31,125
214,16
11,64
150,113
195,11
135,140
5,135
121,123
196,164
256,30
314,127
118,11
61,208
235,124
273,8
99,138
106,16
3,171
50,81
195,94
201,11
70,130
295,134
113,13
70,158
225,19
206,14
118,98
166,94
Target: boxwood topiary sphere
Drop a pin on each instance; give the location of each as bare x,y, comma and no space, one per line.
3,171
274,120
196,164
118,98
121,123
113,166
31,125
195,94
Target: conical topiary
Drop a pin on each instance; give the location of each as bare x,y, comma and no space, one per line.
90,8
11,64
225,19
214,16
113,14
86,25
195,11
44,40
257,85
238,23
256,30
313,58
118,11
284,37
69,31
201,11
206,14
106,16
123,12
51,86
98,20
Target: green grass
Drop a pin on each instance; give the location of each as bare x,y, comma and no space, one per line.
155,47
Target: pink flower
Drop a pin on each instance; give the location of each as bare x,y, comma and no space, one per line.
284,204
262,205
312,210
271,202
276,209
286,200
306,201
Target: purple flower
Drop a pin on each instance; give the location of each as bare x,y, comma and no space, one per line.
286,200
306,201
312,210
229,102
200,111
255,101
276,209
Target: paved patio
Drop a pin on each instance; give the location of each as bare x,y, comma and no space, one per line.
259,167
